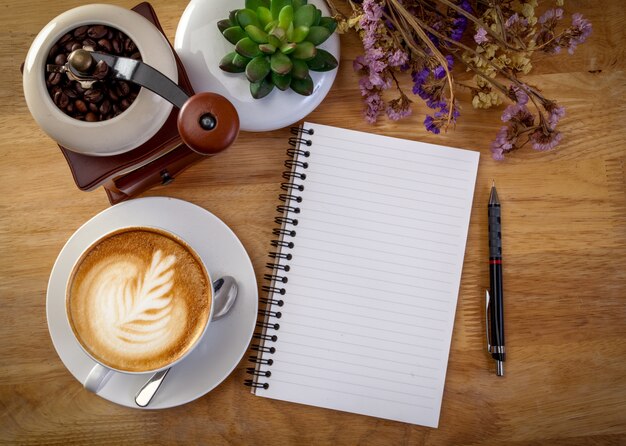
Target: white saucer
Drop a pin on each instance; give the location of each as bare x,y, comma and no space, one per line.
226,339
201,46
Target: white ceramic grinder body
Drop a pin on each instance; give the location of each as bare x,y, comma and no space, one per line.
145,116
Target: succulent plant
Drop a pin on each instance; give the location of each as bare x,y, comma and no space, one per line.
276,44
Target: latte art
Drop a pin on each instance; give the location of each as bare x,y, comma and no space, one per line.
138,300
135,302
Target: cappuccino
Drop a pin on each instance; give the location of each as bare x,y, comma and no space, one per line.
138,299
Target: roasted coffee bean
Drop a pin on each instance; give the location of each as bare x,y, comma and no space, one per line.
65,38
101,70
91,117
136,56
106,45
117,45
93,107
76,46
113,94
116,109
77,87
129,46
53,52
89,43
61,99
97,31
60,59
80,106
80,31
123,88
125,104
54,78
70,108
70,93
68,46
93,95
105,107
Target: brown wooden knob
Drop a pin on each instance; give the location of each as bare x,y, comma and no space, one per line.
208,123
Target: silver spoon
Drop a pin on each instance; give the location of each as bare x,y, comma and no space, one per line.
224,296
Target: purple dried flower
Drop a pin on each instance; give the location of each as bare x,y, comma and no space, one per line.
439,72
518,113
581,30
431,126
520,95
374,106
399,108
545,141
504,142
555,114
398,58
551,15
481,36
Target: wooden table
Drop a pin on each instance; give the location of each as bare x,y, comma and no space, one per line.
565,248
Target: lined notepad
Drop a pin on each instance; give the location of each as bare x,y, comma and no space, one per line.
367,276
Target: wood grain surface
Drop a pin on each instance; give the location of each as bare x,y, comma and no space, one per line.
564,217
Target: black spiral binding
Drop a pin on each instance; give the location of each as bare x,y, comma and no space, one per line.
269,315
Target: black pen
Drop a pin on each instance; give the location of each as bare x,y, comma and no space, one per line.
494,307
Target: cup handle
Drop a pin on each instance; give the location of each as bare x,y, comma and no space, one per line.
97,378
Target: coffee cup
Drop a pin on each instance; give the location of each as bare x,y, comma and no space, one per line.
138,300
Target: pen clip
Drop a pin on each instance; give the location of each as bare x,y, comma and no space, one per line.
487,299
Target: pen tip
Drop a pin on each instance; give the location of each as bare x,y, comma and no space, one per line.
493,183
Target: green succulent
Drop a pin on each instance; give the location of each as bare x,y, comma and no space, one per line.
276,44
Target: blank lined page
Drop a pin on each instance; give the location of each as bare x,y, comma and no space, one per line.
373,277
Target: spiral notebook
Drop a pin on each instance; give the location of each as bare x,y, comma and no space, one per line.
365,274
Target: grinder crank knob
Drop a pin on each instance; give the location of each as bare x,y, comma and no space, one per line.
208,123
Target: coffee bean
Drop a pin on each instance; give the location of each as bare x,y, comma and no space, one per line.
117,46
106,45
53,52
105,107
80,106
91,117
80,32
54,78
77,87
125,104
68,46
93,95
70,93
76,46
136,56
123,88
60,59
113,95
89,43
61,99
101,70
93,107
65,38
70,108
129,46
97,31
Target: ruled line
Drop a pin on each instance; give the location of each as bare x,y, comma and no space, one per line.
386,223
413,171
412,354
291,274
404,383
358,276
379,309
395,186
379,174
327,379
319,319
412,344
327,251
342,186
379,146
385,233
360,296
368,357
429,259
352,198
387,214
377,319
351,393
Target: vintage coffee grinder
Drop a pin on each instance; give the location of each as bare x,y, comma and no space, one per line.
104,82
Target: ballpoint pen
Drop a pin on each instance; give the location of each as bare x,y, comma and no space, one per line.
494,305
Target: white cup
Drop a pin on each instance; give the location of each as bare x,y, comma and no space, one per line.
101,373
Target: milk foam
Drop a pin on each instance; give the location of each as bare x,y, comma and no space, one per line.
132,309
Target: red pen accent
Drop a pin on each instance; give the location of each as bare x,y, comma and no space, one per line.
495,261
